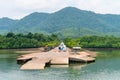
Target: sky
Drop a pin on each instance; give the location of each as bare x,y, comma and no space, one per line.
17,9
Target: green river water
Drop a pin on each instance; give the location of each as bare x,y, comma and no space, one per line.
106,67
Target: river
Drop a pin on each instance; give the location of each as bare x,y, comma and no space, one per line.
106,67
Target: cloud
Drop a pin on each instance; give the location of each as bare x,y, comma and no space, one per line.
43,5
100,6
20,8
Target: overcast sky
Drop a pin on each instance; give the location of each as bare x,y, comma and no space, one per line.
17,9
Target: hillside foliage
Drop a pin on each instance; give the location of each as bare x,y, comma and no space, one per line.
67,22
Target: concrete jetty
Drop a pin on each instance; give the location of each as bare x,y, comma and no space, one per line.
52,57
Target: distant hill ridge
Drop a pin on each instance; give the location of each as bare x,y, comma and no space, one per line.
67,22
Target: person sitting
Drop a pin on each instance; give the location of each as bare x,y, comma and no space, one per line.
62,47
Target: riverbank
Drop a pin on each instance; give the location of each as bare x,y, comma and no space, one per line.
19,41
94,49
43,48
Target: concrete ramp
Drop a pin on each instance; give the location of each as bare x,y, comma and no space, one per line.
33,64
53,57
85,59
39,62
60,58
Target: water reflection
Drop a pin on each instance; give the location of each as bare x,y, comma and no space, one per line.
105,68
59,66
77,66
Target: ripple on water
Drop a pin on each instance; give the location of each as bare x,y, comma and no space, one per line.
102,69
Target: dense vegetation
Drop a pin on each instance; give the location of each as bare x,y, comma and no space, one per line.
94,42
68,22
29,40
35,40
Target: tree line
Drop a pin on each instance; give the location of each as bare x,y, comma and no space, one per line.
94,42
30,40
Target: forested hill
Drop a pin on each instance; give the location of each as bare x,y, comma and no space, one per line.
69,21
6,25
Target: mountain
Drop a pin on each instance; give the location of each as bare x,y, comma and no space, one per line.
30,22
6,24
67,22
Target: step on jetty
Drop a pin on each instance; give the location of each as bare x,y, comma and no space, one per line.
55,56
